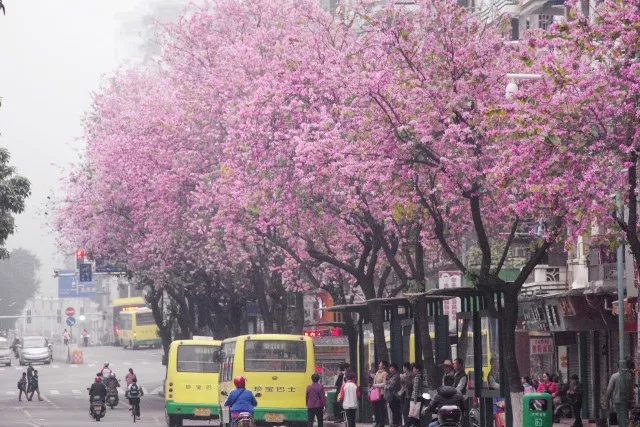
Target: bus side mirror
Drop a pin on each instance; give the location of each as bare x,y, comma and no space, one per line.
258,394
224,393
164,360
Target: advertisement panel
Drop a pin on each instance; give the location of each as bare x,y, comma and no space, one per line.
447,280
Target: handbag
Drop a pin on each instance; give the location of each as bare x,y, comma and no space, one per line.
613,418
414,409
374,395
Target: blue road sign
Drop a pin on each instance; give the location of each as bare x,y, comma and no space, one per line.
71,321
70,286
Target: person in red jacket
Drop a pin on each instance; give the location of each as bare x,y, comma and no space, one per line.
547,386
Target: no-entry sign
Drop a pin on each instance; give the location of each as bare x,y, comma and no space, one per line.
69,311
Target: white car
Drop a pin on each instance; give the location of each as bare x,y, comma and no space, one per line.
5,352
34,349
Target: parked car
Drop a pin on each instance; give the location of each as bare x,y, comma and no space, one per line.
5,352
34,349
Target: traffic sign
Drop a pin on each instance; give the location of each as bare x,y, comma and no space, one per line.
69,312
71,321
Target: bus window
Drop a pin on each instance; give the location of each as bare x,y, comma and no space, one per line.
197,358
144,319
275,356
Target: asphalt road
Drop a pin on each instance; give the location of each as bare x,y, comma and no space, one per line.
63,387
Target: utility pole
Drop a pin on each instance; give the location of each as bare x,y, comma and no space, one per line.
622,363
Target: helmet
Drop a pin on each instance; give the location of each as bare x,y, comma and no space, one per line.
239,381
97,379
106,364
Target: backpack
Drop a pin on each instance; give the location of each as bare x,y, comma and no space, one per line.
21,383
134,391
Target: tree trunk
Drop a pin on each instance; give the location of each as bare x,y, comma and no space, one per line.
463,340
377,325
510,364
430,368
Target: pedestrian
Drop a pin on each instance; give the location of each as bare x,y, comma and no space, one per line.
316,401
29,372
527,385
416,395
66,337
613,398
129,377
548,386
393,387
379,382
574,394
337,408
349,395
406,379
459,376
34,386
447,367
22,386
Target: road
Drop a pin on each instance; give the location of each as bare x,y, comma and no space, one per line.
63,387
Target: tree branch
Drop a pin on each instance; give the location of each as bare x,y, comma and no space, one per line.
505,252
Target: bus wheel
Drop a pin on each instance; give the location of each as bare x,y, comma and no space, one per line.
173,420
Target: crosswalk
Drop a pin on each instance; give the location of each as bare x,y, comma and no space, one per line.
59,365
78,394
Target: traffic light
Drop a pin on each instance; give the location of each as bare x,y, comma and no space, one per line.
28,316
59,315
86,271
81,317
79,258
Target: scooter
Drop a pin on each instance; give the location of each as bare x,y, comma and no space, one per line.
97,410
474,413
561,405
112,392
245,419
449,416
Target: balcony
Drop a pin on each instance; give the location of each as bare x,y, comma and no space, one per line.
546,279
604,275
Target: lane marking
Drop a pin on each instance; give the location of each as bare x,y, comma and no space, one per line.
157,421
76,392
54,392
11,393
26,413
73,366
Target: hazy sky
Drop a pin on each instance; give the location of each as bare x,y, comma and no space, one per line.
52,55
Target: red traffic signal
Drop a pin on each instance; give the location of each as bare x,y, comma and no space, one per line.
79,253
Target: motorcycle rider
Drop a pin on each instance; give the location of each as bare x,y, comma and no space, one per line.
447,395
240,400
97,389
106,371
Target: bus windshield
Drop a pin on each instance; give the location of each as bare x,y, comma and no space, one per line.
198,358
275,356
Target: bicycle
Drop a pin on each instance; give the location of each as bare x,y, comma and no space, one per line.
135,409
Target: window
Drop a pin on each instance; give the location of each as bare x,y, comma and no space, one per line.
275,356
145,319
198,358
227,353
125,322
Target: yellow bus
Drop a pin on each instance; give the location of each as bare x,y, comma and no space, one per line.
123,304
277,366
139,328
191,385
486,352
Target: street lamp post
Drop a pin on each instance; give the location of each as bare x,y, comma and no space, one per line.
622,364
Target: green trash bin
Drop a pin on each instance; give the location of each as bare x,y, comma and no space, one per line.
537,411
331,401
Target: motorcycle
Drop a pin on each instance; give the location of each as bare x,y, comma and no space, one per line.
245,419
561,406
112,392
98,410
474,413
447,415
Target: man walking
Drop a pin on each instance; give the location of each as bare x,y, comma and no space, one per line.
574,394
316,401
34,386
22,386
